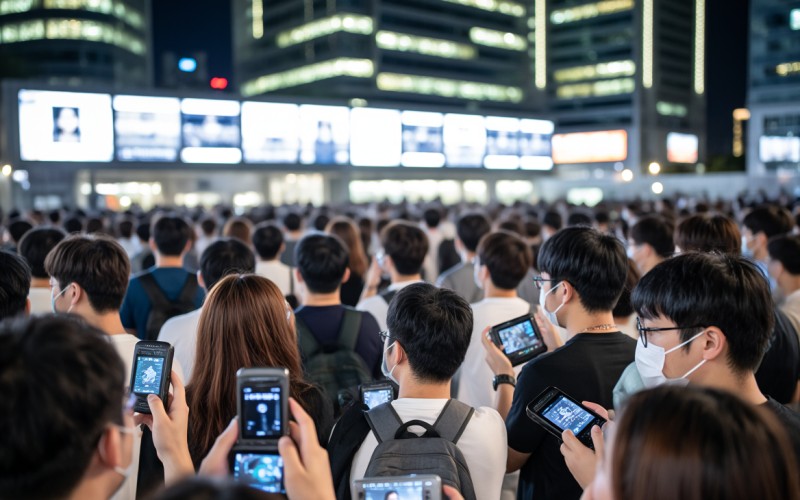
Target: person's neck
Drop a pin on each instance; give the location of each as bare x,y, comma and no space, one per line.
323,299
788,285
274,259
490,291
40,282
412,388
651,263
169,260
760,254
295,235
108,322
585,322
744,386
468,256
402,278
94,484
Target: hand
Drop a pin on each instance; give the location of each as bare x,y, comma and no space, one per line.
451,493
216,462
581,460
307,471
550,335
495,358
374,274
606,414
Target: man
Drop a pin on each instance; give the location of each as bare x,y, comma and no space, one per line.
470,228
552,222
432,217
34,247
220,258
404,249
784,268
429,330
583,273
269,244
293,224
167,289
759,226
15,284
650,243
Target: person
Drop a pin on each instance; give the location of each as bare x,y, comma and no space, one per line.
650,242
432,217
269,245
470,228
34,247
16,230
428,336
244,323
358,263
167,284
15,285
759,225
207,233
127,239
293,224
583,274
221,258
707,232
240,228
784,268
552,222
719,435
623,312
405,247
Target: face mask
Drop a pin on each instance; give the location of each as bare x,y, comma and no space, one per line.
550,315
127,471
630,252
650,363
475,271
55,297
385,368
746,252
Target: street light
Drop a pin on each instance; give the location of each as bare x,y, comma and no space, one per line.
7,170
654,168
627,175
657,188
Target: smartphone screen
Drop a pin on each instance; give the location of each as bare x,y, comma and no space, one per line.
263,471
261,410
149,370
565,414
376,397
518,337
398,489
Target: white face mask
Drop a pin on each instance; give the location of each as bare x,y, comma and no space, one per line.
650,363
746,252
550,315
55,297
476,266
385,367
127,471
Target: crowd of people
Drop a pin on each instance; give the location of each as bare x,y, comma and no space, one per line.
676,321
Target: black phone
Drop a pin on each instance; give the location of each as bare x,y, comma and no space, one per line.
261,469
152,365
556,412
413,487
263,405
377,393
519,339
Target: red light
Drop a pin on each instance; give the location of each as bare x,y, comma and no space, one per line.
219,83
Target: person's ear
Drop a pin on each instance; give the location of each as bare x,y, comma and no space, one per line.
281,249
761,240
77,293
648,250
109,448
152,244
297,276
715,343
346,275
568,291
483,273
201,281
388,265
398,353
28,306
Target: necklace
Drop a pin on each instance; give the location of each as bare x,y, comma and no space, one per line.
607,326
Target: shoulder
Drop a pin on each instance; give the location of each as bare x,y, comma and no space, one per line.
489,418
370,303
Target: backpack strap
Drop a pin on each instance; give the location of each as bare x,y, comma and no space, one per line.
291,281
388,295
453,420
189,290
384,422
308,343
349,330
153,291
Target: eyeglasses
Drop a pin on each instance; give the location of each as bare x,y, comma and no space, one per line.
539,281
643,330
384,335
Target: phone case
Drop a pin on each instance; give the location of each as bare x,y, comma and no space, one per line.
155,349
543,400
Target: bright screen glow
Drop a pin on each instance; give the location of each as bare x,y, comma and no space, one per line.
270,132
779,149
147,128
210,131
376,137
534,144
65,126
423,143
590,147
324,134
464,140
502,143
682,148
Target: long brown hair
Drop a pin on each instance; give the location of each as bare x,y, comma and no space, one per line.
243,324
346,229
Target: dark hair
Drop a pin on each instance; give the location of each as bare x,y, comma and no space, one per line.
512,225
35,246
125,228
624,307
95,225
406,244
73,225
15,284
507,257
223,257
267,240
292,221
171,234
432,217
532,228
656,232
322,260
698,443
553,219
771,220
592,262
434,326
346,230
708,233
62,383
203,488
320,221
208,225
786,250
720,290
471,228
18,228
579,219
143,231
239,228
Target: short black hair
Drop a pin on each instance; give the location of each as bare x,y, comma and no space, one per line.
209,225
73,225
708,232
507,257
125,228
553,219
292,221
771,220
711,289
35,246
656,232
579,219
470,228
15,284
786,250
406,244
267,240
434,326
432,217
321,221
18,228
624,307
143,231
62,383
592,262
171,234
223,257
322,260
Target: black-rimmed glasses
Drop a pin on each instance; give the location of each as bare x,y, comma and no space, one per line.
384,335
644,330
539,281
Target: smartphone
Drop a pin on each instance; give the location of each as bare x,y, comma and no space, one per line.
376,393
262,470
557,412
152,365
519,339
414,487
263,406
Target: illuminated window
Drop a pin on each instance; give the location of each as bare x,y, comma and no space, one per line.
501,6
700,47
16,6
114,8
321,27
671,109
258,18
603,70
596,89
71,29
394,82
788,68
390,40
23,31
359,68
589,10
794,19
499,39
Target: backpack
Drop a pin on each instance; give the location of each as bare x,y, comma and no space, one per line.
400,452
162,308
336,368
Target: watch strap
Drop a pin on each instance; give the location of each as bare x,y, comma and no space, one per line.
503,379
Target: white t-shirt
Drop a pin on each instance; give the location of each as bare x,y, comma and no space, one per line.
377,305
483,444
277,272
40,300
181,332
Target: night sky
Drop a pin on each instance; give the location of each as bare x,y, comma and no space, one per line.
184,26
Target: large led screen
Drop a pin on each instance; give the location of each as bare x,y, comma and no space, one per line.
324,135
464,140
376,137
210,131
590,147
534,144
682,148
147,128
65,126
775,149
270,132
502,143
423,139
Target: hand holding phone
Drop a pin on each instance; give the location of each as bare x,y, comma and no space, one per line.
377,393
519,339
557,412
152,366
413,487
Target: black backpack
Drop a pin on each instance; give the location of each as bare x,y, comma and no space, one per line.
162,308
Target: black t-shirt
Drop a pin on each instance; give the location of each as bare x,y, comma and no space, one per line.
790,420
780,369
586,368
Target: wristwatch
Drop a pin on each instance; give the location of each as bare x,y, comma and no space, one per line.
503,379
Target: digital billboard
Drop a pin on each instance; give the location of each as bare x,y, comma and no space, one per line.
590,147
775,149
147,128
423,139
502,143
270,132
534,144
464,140
376,137
211,132
324,135
682,148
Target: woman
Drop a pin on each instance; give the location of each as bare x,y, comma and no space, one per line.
245,323
347,231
